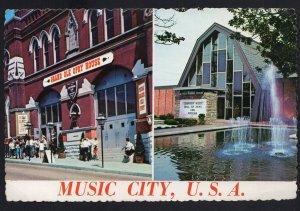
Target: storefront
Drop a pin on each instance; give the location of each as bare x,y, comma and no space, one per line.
71,80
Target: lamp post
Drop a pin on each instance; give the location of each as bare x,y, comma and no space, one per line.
28,126
50,126
101,121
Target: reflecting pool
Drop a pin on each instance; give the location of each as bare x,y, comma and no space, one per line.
217,156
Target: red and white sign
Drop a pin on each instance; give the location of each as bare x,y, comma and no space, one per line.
142,98
79,69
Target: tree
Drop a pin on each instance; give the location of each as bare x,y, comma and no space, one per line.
163,25
139,145
277,31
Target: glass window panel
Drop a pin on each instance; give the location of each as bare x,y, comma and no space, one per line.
49,114
110,29
238,65
214,80
43,116
246,94
55,113
245,76
237,107
206,73
222,60
206,52
246,112
222,40
199,80
59,112
229,48
221,80
192,75
130,96
111,107
252,101
56,45
199,66
101,102
229,71
127,20
252,89
238,83
121,109
94,27
228,113
229,95
214,57
215,41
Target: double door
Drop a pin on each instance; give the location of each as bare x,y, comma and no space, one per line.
45,130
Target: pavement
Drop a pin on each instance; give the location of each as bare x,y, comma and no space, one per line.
113,167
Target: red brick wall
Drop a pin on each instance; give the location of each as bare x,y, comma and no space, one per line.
164,101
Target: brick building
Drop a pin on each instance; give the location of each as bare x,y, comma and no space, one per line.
68,66
222,80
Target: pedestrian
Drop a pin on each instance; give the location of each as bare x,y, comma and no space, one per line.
37,147
11,148
18,155
22,147
95,153
129,150
6,148
41,149
85,149
31,143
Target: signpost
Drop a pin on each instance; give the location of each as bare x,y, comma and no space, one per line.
191,108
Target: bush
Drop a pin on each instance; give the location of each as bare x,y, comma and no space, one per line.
139,145
167,116
186,122
171,122
201,119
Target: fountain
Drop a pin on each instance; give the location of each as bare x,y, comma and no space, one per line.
278,128
240,137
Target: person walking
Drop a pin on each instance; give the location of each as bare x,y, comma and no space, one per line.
95,153
22,148
129,150
6,148
31,143
37,147
41,149
11,148
18,155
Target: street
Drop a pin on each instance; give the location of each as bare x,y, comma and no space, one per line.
32,172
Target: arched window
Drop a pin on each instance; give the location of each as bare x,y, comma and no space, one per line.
126,20
36,55
94,28
45,51
6,61
109,24
56,53
72,40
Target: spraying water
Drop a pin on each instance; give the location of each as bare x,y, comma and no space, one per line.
270,77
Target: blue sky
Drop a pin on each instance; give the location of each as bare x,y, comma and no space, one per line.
170,60
9,14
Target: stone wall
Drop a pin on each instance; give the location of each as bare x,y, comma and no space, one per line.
211,106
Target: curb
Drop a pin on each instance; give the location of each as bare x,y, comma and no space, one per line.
83,168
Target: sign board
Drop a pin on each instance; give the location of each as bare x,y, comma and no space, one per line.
142,98
72,145
47,157
36,133
72,89
191,108
21,119
79,69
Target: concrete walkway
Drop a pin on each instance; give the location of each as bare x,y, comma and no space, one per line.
144,170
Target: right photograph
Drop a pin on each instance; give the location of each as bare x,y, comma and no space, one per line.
225,94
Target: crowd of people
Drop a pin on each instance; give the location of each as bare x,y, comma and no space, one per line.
88,149
27,146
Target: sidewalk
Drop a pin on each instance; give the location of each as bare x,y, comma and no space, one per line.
135,169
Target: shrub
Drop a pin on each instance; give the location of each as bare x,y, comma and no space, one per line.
170,116
171,122
139,145
201,119
189,122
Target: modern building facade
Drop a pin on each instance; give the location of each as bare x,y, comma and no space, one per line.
225,78
68,66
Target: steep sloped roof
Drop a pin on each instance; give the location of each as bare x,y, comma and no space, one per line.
248,53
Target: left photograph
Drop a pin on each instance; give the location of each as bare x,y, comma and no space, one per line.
78,94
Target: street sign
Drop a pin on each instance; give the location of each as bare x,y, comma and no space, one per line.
79,69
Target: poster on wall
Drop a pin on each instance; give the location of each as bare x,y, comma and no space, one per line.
142,98
192,108
21,119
